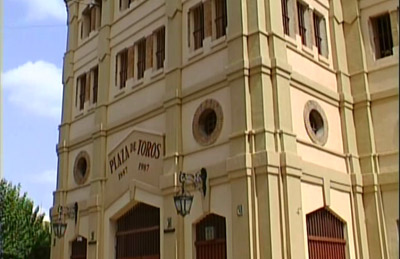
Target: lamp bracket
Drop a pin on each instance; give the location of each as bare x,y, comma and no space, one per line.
68,211
199,180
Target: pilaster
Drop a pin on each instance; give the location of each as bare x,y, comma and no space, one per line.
348,127
265,177
290,172
239,163
99,154
364,136
173,113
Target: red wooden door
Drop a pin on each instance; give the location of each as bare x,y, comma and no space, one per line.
211,238
325,235
138,233
79,247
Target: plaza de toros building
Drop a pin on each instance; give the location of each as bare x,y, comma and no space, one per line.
281,114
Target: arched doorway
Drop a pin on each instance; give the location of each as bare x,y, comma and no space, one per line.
211,238
138,233
325,234
79,247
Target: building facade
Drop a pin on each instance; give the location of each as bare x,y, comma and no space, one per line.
290,106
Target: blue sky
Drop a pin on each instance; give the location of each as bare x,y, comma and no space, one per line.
34,40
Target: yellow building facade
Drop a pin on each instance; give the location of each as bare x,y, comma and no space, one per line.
290,106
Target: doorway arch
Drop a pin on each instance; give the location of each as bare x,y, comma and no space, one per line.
138,233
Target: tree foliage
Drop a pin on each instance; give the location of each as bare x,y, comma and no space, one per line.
23,234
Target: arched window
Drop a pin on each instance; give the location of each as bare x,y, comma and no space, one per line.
211,238
79,246
138,233
325,234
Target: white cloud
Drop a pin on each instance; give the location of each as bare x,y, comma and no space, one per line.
35,87
46,177
43,9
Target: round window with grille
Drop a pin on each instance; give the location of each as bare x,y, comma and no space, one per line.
316,123
81,167
207,122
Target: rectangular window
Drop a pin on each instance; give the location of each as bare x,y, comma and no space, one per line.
124,4
160,51
285,17
141,61
317,32
382,36
85,25
91,18
320,34
198,26
221,20
122,72
82,90
95,76
301,14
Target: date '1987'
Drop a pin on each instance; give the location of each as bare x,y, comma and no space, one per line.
144,167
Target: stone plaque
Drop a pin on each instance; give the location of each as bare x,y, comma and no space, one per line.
138,157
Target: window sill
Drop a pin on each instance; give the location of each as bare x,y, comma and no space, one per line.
84,113
290,41
136,83
385,62
91,35
323,59
307,50
310,55
195,53
157,72
395,52
92,108
79,115
122,92
216,42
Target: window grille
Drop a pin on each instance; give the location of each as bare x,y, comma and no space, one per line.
221,19
198,30
285,17
301,12
317,32
95,72
325,235
82,90
79,248
382,36
92,24
123,72
211,238
138,233
160,52
141,62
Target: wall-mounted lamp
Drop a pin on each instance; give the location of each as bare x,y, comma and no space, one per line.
183,200
59,226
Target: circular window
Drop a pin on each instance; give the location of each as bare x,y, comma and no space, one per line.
207,122
315,122
81,167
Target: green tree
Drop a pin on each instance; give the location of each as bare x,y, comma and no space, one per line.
23,234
